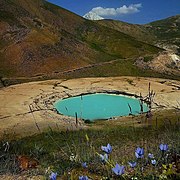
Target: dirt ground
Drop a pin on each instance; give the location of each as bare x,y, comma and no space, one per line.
27,109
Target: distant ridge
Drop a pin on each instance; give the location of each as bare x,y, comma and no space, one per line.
164,33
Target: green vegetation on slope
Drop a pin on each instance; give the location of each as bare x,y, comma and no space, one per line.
165,32
167,28
114,43
137,31
121,67
41,38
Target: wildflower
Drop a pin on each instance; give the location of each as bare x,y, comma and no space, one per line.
139,152
134,178
53,176
104,157
83,178
118,170
84,165
163,176
73,157
163,147
47,170
151,156
107,149
153,161
132,164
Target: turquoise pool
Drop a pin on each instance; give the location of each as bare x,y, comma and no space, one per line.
99,106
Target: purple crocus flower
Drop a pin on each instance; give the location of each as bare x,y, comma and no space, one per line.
139,152
107,149
104,158
132,164
163,147
84,165
118,170
151,156
83,178
153,161
53,176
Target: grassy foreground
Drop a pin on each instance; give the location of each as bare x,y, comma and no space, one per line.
64,152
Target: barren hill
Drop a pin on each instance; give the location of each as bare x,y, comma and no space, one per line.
39,39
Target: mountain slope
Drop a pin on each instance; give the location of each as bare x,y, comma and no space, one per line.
36,39
39,38
137,31
164,33
167,32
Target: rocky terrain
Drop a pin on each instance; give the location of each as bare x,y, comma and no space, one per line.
28,108
166,63
167,32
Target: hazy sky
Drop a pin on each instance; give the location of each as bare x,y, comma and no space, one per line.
132,11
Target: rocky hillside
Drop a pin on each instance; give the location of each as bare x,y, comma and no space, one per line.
35,38
167,32
163,33
39,38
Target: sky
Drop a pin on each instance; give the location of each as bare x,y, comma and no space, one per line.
132,11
